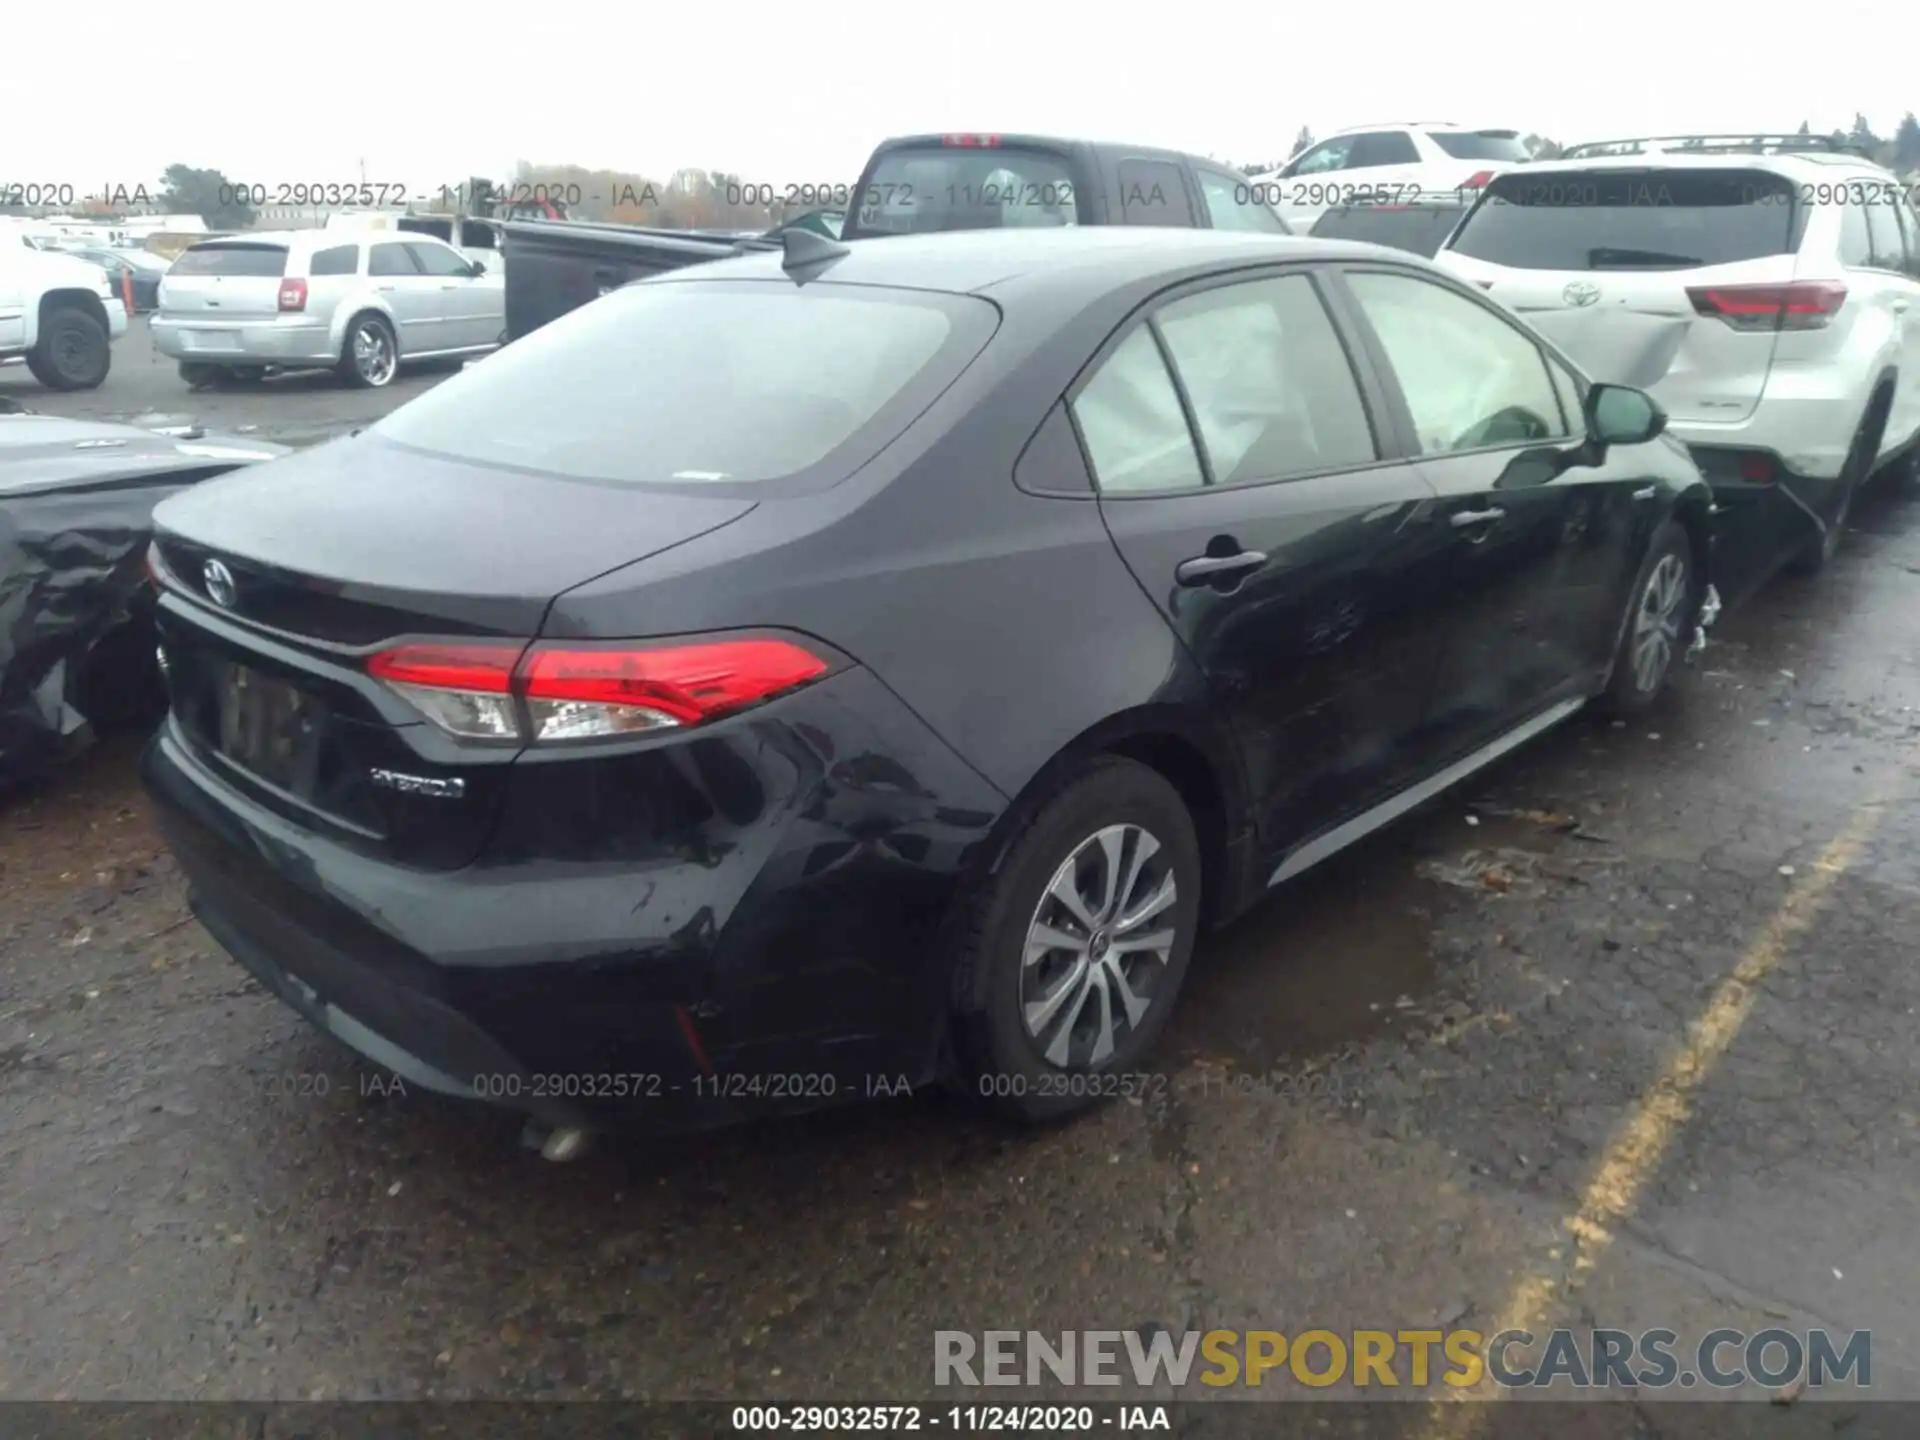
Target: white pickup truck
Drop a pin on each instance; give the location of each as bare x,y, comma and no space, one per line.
58,313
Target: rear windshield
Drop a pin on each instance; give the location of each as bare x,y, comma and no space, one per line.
697,382
1421,229
1501,145
232,260
936,187
1630,219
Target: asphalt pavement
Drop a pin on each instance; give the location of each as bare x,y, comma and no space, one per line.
1621,1035
293,408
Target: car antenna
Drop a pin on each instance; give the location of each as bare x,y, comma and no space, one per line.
807,253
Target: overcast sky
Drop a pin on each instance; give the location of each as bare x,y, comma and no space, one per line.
427,94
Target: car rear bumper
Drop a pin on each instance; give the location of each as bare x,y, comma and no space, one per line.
244,342
116,317
1808,429
783,960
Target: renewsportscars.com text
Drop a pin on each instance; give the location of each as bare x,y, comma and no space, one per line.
1649,1360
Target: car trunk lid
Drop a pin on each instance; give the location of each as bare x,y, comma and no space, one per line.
1713,250
272,608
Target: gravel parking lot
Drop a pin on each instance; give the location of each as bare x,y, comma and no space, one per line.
1622,1035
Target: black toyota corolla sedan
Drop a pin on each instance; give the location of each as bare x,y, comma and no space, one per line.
808,676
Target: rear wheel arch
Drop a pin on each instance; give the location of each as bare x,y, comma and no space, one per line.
1204,769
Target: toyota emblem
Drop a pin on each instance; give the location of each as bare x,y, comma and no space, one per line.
1581,293
219,582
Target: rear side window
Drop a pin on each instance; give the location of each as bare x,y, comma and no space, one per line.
695,382
391,258
914,189
1500,145
229,260
335,260
1235,204
1130,417
1417,229
1153,192
1639,219
1382,147
1885,249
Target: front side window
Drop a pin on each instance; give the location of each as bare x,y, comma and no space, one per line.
1235,204
1471,379
439,260
391,259
1326,156
1268,379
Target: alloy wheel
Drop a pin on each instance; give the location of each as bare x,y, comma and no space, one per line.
373,354
1099,942
1656,625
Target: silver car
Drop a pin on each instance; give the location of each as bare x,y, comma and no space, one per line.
313,299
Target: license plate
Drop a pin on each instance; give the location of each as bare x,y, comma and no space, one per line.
212,342
270,728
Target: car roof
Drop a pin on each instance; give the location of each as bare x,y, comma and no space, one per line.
1791,162
1447,127
1007,262
1042,142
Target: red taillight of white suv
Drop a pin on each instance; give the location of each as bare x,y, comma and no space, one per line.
293,294
584,691
1800,305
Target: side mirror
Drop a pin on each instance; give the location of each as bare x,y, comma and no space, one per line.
1622,415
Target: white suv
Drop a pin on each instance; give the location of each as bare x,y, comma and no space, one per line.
1795,273
1387,162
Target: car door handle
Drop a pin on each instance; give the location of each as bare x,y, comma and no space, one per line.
1461,519
1646,493
384,289
1204,569
1899,307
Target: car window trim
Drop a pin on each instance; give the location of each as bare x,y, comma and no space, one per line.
1403,412
1387,437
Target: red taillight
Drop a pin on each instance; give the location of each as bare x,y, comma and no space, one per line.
1475,181
972,142
1756,468
484,669
1802,305
589,691
293,294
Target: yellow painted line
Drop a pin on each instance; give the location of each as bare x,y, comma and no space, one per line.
1644,1137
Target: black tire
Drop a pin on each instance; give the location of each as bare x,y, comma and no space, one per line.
354,366
1854,471
1902,475
74,352
998,1059
198,374
1630,687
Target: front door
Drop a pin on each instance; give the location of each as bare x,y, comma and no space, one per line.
1540,527
410,295
468,310
1243,482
